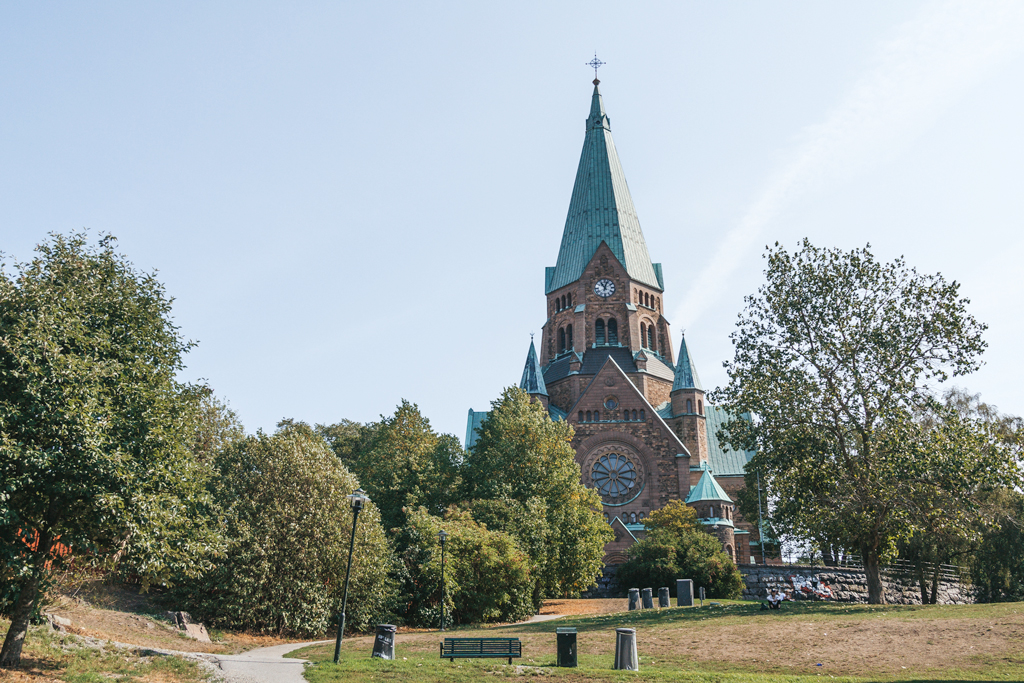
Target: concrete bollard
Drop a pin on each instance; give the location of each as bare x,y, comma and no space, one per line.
648,598
625,650
663,598
684,592
634,598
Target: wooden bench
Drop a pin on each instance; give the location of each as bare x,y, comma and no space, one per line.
504,648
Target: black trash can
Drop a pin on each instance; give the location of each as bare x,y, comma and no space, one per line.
384,643
634,598
566,646
648,598
663,598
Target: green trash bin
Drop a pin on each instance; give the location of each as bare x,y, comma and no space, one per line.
566,646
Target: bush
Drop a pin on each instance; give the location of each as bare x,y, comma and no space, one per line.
674,550
289,523
487,576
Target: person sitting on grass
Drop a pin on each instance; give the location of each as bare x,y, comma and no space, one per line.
775,599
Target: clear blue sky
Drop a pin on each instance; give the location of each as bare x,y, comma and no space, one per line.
353,203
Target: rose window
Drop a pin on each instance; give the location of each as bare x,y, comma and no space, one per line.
614,475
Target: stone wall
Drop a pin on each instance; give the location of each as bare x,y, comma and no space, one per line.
846,585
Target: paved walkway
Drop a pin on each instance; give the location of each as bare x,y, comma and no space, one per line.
264,664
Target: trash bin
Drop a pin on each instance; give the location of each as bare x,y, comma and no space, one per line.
566,646
663,599
648,598
684,592
384,643
625,649
634,598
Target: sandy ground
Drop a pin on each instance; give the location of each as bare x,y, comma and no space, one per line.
576,607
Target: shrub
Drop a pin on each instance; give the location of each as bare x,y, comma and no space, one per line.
289,523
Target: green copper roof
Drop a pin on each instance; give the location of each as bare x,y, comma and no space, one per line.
707,489
474,421
723,461
533,378
601,210
686,373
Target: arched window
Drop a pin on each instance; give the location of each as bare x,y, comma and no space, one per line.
643,334
588,416
605,517
640,517
568,337
634,415
625,518
700,407
599,332
650,337
564,305
689,406
657,305
613,331
711,512
581,417
568,300
561,339
597,416
642,418
647,300
632,518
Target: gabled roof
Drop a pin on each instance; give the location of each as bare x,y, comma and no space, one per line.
533,379
721,460
686,374
473,422
601,210
707,489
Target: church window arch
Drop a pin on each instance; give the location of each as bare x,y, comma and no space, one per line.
650,337
700,407
588,416
634,416
642,417
613,331
605,517
643,334
597,416
568,337
568,300
580,417
632,518
689,406
647,300
599,332
561,339
640,517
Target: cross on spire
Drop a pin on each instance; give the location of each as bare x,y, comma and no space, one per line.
595,64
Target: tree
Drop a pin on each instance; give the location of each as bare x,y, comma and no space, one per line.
522,455
832,358
95,432
283,498
675,547
403,463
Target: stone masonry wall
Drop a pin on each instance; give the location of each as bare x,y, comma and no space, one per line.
845,585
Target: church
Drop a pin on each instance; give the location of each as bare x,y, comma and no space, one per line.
644,432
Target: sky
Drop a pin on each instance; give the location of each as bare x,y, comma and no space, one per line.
354,203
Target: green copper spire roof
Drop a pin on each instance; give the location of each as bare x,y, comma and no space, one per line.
533,378
686,373
707,489
601,210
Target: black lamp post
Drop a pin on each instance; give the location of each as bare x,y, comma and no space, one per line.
357,500
443,535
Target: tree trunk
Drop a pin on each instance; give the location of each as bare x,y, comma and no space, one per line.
923,584
935,582
876,592
11,654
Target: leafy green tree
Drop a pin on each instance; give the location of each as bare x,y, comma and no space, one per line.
677,547
522,455
404,464
832,357
95,432
487,576
216,426
283,498
997,564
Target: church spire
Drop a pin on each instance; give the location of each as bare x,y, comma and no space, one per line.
686,373
601,210
533,379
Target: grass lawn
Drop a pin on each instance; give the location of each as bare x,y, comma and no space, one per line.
732,642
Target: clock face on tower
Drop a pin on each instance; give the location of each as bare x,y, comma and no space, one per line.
604,288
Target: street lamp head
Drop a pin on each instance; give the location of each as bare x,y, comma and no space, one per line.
443,535
358,500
